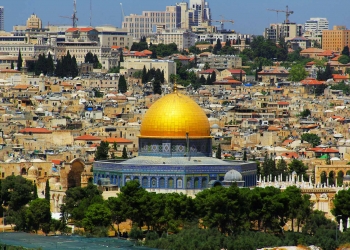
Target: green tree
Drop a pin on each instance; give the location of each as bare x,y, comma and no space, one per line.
344,59
217,208
35,191
117,214
50,65
157,88
125,154
345,51
144,75
206,66
16,192
298,166
38,214
77,201
297,73
245,155
132,198
213,76
102,151
342,204
12,66
122,86
218,152
97,215
305,113
19,60
47,191
314,139
282,168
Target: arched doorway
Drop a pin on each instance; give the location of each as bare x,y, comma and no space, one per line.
331,179
323,177
74,175
340,177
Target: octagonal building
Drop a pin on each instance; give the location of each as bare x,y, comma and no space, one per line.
175,152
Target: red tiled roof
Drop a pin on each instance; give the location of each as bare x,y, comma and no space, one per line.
79,29
273,128
35,131
283,103
236,71
21,86
87,138
207,71
290,155
56,162
117,140
287,142
324,150
326,53
338,76
311,81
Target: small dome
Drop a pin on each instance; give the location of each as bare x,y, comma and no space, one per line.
33,171
233,176
215,126
39,110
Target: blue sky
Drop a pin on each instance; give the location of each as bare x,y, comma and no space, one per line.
250,16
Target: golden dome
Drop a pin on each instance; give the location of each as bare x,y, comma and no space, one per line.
173,116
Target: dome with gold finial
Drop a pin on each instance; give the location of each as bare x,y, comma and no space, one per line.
175,116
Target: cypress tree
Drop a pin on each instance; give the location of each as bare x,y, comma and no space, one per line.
144,75
218,152
157,89
50,65
47,191
213,77
19,60
122,87
125,154
12,66
244,155
240,75
35,191
74,67
208,81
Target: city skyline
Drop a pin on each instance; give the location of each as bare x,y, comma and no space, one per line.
109,12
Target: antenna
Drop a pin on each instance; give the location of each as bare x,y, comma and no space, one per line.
90,14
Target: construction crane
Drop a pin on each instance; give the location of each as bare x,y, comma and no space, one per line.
123,15
222,21
74,17
287,11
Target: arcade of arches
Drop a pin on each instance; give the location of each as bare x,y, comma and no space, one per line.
331,174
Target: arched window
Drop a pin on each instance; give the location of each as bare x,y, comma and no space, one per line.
136,179
144,182
196,182
188,182
127,179
161,182
179,183
204,182
170,183
154,182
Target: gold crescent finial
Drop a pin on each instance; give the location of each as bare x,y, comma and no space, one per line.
175,87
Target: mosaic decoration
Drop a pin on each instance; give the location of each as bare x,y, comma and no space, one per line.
166,147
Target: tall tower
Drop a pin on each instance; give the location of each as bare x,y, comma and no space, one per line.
2,26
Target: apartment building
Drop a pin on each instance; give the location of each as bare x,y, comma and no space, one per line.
283,30
34,22
316,25
112,36
182,38
2,18
335,39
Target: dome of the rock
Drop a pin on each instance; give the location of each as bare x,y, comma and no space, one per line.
174,116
